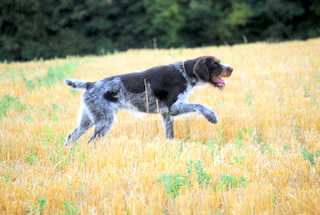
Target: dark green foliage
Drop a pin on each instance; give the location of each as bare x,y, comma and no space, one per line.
34,29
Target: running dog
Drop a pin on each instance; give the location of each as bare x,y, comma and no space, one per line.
163,89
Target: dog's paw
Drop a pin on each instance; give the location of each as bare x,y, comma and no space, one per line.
211,116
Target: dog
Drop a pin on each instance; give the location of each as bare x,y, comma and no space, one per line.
163,89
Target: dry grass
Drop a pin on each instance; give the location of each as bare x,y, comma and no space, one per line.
261,158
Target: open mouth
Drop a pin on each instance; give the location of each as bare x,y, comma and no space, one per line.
219,82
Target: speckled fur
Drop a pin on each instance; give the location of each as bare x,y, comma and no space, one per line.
163,90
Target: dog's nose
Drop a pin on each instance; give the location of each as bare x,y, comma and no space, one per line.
230,69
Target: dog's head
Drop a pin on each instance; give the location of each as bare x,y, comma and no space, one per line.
208,69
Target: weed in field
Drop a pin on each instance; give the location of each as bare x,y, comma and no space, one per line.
266,148
212,146
306,92
28,83
239,143
59,158
238,160
54,114
239,137
42,202
221,136
32,159
314,102
227,182
202,178
240,134
7,102
6,177
286,147
221,104
28,118
298,132
55,106
74,91
258,138
248,132
37,208
71,208
188,137
174,182
249,99
83,157
310,156
221,132
46,136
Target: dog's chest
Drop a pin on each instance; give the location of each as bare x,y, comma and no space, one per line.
183,96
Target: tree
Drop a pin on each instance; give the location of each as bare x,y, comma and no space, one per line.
31,29
167,19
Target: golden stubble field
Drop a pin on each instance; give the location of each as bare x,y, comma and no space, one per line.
262,157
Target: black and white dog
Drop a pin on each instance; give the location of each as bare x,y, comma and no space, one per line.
162,89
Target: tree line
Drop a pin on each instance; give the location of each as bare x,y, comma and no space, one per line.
33,29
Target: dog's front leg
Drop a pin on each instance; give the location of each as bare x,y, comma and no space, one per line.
181,108
168,124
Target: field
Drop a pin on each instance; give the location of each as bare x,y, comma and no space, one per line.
263,157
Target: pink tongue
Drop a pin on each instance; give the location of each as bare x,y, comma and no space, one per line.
218,80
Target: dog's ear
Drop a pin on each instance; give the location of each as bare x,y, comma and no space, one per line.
201,71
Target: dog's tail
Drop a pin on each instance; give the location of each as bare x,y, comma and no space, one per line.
77,84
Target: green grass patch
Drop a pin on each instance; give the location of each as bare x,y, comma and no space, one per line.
7,102
53,75
228,182
195,174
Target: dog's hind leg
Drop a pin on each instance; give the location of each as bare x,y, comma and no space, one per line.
102,112
102,125
168,124
85,123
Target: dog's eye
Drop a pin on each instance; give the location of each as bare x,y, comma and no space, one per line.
215,64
